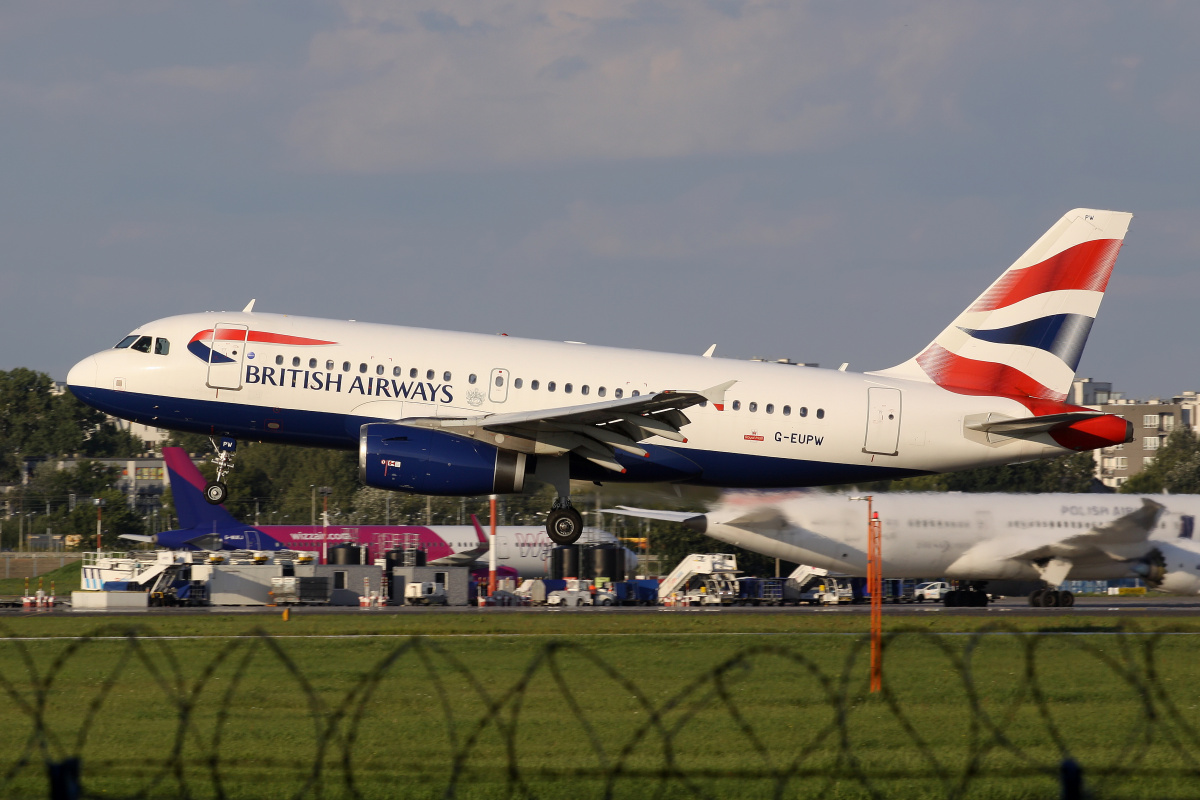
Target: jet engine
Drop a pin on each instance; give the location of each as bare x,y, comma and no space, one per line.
425,461
1151,568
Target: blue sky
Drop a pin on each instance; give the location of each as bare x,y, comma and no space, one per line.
824,181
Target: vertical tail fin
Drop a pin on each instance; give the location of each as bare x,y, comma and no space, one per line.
1024,335
187,488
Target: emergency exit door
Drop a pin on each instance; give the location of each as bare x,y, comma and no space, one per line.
883,421
226,352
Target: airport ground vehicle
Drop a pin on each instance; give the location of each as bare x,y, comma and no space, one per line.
930,590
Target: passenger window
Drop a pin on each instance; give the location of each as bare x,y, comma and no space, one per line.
567,388
534,385
704,404
636,393
128,340
499,380
619,393
770,408
517,383
445,377
820,413
471,379
379,369
295,361
753,407
312,363
362,367
279,361
550,386
396,372
329,365
429,375
345,366
142,345
162,347
787,411
412,373
803,411
601,392
737,405
583,389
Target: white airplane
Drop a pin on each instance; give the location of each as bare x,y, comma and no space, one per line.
970,537
466,414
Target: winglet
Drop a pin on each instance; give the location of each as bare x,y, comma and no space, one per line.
479,530
249,306
716,394
709,352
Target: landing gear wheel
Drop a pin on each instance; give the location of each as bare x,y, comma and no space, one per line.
1050,599
1066,599
1035,597
216,493
564,526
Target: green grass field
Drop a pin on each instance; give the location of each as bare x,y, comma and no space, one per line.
577,705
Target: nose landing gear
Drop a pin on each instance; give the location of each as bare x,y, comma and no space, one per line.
216,491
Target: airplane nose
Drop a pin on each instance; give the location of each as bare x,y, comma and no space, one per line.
83,373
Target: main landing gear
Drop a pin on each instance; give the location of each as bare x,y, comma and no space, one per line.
216,491
1051,598
564,525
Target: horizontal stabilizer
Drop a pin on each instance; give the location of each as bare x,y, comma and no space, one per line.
1029,426
136,537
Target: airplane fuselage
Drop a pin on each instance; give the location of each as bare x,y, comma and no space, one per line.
316,382
970,536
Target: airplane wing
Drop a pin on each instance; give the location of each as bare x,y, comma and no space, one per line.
465,558
593,431
1124,538
690,519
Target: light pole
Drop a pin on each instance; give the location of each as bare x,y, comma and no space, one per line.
99,509
325,492
875,587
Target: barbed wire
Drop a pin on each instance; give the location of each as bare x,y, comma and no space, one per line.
988,710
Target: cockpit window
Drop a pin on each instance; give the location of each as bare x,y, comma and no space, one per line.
162,347
142,345
128,340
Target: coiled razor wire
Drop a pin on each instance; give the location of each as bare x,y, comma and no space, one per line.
664,747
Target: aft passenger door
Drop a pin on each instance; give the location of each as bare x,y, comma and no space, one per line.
883,421
498,386
226,352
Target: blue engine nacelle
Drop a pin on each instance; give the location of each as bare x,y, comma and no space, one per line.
425,461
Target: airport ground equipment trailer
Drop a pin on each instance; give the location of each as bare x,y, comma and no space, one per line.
760,591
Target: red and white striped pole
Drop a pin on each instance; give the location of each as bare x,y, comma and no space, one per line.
492,552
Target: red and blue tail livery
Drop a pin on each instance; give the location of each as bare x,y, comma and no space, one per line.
439,412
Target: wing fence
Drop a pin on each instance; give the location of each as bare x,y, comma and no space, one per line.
997,713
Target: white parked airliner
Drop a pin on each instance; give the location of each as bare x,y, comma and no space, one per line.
970,537
445,413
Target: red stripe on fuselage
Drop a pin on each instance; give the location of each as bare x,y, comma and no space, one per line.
1086,266
263,337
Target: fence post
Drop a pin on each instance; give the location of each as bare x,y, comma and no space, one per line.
1072,780
64,779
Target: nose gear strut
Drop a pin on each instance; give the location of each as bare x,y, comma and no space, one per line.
216,491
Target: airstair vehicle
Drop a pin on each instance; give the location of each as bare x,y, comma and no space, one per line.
702,578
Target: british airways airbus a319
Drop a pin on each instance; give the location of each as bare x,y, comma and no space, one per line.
444,413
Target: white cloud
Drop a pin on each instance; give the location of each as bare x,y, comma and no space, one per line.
546,81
